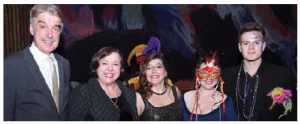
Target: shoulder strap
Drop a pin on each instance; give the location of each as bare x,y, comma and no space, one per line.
174,92
146,103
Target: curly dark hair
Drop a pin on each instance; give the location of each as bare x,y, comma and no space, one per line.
145,86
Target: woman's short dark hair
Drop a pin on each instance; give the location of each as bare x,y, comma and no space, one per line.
103,52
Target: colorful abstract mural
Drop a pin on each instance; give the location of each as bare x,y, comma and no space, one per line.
184,30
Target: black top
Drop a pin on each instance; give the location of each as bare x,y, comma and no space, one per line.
171,112
90,102
246,89
269,77
124,108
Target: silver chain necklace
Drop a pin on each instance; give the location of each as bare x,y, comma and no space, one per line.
246,89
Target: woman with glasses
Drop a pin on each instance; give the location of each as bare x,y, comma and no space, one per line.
156,100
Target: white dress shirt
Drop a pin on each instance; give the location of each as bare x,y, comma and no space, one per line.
44,65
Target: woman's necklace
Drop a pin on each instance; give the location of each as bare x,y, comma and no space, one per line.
114,101
220,111
212,107
156,93
246,89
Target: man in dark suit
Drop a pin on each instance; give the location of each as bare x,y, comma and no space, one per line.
250,84
36,81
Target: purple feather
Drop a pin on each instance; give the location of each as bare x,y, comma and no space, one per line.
152,46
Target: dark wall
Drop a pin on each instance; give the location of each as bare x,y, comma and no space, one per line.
16,28
211,33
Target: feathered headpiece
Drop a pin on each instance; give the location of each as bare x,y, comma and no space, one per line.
142,51
152,47
137,51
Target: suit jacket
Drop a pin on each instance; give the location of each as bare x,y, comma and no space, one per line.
90,102
271,76
26,94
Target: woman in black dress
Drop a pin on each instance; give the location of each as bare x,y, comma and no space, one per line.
157,100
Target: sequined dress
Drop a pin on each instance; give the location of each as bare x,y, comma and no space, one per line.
171,112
